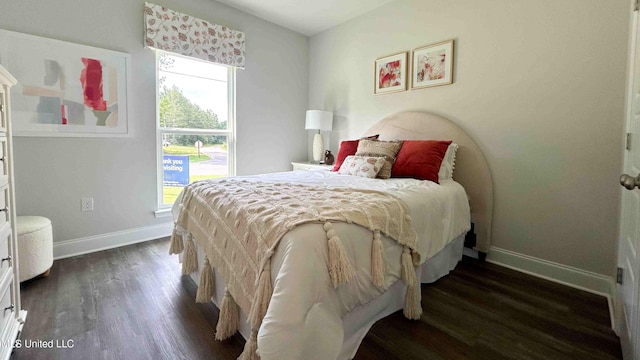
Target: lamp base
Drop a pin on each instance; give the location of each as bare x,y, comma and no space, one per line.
318,146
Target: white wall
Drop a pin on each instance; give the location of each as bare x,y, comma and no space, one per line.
539,85
52,174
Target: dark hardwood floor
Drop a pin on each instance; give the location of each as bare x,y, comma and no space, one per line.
132,303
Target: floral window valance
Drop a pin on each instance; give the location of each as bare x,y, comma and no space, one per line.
172,31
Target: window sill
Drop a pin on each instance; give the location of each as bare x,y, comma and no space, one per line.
162,213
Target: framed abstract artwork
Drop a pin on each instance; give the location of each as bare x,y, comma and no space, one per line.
65,89
432,65
391,74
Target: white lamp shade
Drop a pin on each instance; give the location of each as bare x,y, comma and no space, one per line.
319,120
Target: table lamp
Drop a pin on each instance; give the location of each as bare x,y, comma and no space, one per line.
321,121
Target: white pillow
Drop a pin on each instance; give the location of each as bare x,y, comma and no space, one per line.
364,166
448,163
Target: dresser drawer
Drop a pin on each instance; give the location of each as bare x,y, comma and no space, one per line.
7,310
4,204
6,276
5,238
4,165
3,110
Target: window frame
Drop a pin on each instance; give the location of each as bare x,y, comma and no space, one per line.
230,132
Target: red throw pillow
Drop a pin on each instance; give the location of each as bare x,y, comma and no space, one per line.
349,147
420,159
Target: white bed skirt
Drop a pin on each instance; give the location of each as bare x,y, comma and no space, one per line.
358,321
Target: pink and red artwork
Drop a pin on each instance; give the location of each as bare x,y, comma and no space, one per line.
432,65
65,89
391,73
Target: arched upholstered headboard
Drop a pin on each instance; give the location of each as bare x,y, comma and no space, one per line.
471,168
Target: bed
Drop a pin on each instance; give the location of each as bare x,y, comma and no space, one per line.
333,271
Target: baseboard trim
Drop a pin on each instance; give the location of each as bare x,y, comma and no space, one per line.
613,305
470,253
81,246
559,273
549,270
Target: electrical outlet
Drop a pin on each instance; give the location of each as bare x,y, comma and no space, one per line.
86,204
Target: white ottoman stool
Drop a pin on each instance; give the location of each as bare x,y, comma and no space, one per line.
35,246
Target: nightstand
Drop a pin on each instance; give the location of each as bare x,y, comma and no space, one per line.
310,166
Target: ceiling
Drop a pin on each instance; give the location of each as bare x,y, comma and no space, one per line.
307,17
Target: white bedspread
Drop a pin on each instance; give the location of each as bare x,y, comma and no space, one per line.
304,319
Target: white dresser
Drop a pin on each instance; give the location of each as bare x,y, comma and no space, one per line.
11,316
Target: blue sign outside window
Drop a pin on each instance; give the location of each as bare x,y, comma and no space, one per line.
176,170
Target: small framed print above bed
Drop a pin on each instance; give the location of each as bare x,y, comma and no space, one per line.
391,74
432,65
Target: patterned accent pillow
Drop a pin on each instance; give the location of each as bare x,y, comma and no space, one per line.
349,147
364,166
386,149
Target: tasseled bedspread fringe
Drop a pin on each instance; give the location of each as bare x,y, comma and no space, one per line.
206,287
177,244
250,351
261,300
190,257
378,263
340,268
229,319
412,307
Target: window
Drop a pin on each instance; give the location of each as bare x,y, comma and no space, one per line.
195,123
